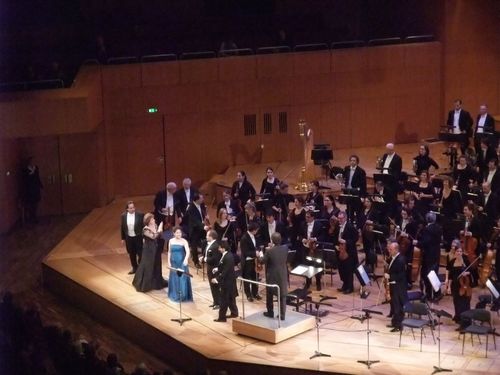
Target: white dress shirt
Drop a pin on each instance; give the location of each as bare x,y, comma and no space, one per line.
351,174
130,224
456,125
480,124
387,162
310,229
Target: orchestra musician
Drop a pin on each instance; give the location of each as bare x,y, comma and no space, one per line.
423,162
460,122
196,214
450,206
485,123
488,207
184,198
269,184
347,235
247,216
355,176
458,282
329,209
242,189
396,277
232,206
296,219
407,232
485,153
310,234
270,226
429,242
248,247
281,202
391,162
225,227
464,176
424,194
493,176
314,197
166,204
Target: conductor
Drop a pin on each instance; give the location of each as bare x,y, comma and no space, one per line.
276,273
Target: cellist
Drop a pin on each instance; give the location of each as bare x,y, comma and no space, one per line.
408,232
470,237
457,282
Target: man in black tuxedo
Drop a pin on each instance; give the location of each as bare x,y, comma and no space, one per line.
248,246
488,207
355,176
392,163
485,153
429,242
225,278
492,175
397,285
211,256
232,206
346,234
460,122
131,234
270,226
312,231
485,123
196,215
276,273
166,204
184,198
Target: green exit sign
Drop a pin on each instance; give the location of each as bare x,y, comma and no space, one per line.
152,110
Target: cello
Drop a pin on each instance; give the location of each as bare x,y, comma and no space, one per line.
469,245
487,266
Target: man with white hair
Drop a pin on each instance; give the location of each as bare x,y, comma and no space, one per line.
165,203
392,162
184,198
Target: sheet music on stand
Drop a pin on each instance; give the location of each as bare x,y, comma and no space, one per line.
306,271
492,288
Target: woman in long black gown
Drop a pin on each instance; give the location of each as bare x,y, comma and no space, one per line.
144,278
450,205
455,266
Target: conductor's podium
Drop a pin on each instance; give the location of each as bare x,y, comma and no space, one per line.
266,329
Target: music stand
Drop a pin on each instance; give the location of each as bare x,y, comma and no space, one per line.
317,352
439,314
364,280
180,272
492,288
367,317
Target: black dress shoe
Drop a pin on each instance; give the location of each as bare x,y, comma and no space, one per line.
212,305
232,316
250,299
268,314
220,320
340,289
347,291
131,272
395,329
389,315
390,326
318,287
282,317
216,307
257,297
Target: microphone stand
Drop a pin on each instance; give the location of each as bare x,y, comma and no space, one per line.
438,368
367,317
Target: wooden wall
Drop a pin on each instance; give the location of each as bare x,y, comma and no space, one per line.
471,54
350,98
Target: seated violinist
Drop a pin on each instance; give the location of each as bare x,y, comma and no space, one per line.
458,282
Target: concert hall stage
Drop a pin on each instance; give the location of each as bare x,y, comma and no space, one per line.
89,269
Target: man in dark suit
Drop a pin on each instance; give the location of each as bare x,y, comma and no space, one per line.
232,206
429,242
485,153
225,278
312,231
184,198
211,256
492,175
196,215
248,246
270,226
460,122
355,176
485,127
347,235
131,234
276,273
488,207
397,285
392,163
166,204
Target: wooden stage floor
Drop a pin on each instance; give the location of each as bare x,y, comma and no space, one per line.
89,269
